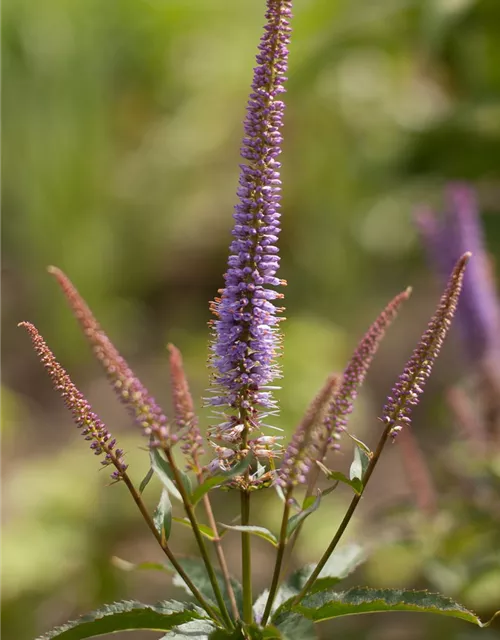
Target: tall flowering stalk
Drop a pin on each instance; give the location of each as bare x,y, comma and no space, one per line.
305,443
185,416
410,386
136,398
341,404
246,341
405,395
90,425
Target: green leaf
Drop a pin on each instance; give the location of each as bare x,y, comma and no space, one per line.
204,529
283,594
295,520
146,480
164,471
359,465
293,626
329,604
125,616
221,478
195,630
125,565
338,476
343,561
360,444
195,568
247,632
262,532
162,516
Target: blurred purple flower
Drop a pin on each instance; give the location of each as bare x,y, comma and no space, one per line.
246,341
446,239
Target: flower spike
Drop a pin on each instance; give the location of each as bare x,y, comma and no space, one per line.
341,405
185,416
246,341
303,447
92,428
140,404
406,392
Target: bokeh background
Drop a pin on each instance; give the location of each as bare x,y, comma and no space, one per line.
122,121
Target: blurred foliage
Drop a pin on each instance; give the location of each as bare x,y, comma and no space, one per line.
122,123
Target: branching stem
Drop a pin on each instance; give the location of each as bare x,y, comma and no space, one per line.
347,518
199,539
166,549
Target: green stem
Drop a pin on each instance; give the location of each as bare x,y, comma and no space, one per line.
166,549
199,539
347,518
279,559
246,559
221,557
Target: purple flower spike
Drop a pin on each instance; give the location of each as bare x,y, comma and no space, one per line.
246,341
185,416
446,240
140,404
406,392
355,373
306,441
92,428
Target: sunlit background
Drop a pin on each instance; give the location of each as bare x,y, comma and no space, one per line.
122,121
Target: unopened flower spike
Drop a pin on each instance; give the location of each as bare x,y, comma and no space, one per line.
92,428
305,443
139,402
246,340
353,377
406,392
185,416
446,238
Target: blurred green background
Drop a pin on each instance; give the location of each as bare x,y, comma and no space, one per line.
122,121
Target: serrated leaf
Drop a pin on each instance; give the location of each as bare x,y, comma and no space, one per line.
221,478
359,465
295,520
343,561
283,594
204,529
224,634
196,630
125,616
325,605
162,516
163,470
145,481
262,532
338,476
293,626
